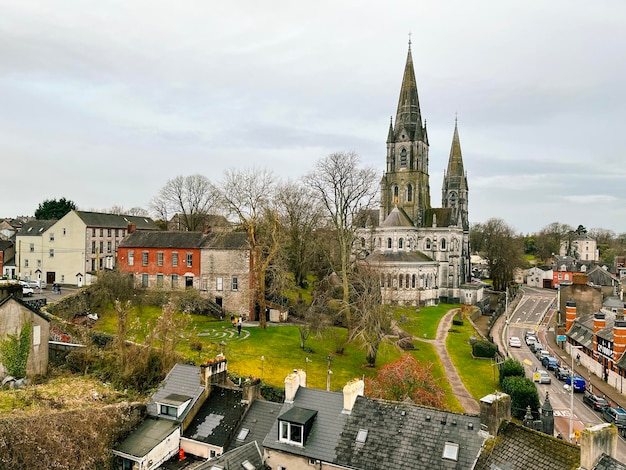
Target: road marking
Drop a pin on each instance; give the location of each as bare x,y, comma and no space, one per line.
562,413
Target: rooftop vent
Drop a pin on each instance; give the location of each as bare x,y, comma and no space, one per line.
428,418
470,426
361,436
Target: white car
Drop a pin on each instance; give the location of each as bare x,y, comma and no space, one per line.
27,291
37,283
515,342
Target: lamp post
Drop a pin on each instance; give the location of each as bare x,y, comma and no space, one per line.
571,392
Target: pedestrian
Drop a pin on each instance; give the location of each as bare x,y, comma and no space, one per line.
59,289
578,359
239,329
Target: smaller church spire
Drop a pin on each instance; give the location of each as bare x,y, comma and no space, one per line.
390,134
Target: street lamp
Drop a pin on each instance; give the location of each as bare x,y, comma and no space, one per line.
571,392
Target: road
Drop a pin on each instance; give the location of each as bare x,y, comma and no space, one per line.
535,311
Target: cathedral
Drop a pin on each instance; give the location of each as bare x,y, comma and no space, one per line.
421,252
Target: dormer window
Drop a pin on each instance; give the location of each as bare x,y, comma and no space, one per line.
173,405
295,425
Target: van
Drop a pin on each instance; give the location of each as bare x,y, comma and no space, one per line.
579,383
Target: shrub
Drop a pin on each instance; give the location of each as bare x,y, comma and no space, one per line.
523,394
190,301
511,368
484,349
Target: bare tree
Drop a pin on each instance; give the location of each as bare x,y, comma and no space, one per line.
301,215
504,252
343,189
189,198
249,196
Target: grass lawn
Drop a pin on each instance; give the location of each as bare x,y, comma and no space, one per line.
476,374
422,324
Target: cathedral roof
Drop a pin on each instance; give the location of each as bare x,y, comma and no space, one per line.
397,218
408,115
443,216
455,176
383,257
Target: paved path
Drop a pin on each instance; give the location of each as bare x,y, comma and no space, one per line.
458,388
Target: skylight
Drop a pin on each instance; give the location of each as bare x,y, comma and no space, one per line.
243,434
361,437
247,465
451,451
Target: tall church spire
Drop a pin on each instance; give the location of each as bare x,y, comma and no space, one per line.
455,162
408,115
455,189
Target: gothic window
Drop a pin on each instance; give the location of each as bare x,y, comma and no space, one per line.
395,194
443,243
362,242
403,158
413,281
400,280
389,243
388,280
409,192
408,281
452,199
427,243
400,243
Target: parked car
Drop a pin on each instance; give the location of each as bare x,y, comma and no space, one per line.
530,333
542,377
562,373
550,363
616,416
37,283
595,402
27,291
515,342
530,340
542,353
536,346
579,383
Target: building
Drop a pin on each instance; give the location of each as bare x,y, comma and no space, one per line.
421,252
539,276
73,249
581,247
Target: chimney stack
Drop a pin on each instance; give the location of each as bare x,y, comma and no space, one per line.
494,409
131,227
619,339
214,371
292,382
570,314
595,441
351,390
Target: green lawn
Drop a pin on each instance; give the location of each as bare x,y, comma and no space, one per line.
423,323
476,374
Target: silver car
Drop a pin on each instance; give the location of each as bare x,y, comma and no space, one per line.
542,377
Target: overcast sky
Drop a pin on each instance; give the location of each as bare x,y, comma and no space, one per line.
102,102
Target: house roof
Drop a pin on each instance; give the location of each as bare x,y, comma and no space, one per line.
606,462
235,459
226,241
101,219
382,257
520,447
25,305
159,239
326,429
146,437
258,421
182,379
581,331
4,244
217,419
34,228
403,435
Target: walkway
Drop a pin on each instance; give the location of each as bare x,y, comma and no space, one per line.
469,404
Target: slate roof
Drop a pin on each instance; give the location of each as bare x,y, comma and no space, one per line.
146,437
397,218
327,426
34,228
4,244
398,257
226,241
518,447
606,462
218,417
258,421
158,239
25,305
444,216
100,219
182,379
581,331
234,459
403,435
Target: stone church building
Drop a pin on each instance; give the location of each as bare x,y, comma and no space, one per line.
421,252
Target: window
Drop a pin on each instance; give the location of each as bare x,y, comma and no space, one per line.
159,280
108,232
389,243
451,451
101,232
413,281
144,258
101,263
93,232
189,260
159,258
63,231
36,335
93,264
427,242
291,432
25,263
219,283
409,193
174,280
443,243
51,252
39,263
361,436
395,194
93,246
144,280
52,237
101,247
243,434
131,257
117,232
109,245
32,247
62,278
168,410
174,259
400,243
403,158
234,283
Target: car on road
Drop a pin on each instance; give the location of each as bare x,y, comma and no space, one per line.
37,283
530,340
542,353
595,402
27,291
615,415
579,383
562,373
550,363
542,377
515,342
536,346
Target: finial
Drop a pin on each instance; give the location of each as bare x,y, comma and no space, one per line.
390,119
410,40
456,119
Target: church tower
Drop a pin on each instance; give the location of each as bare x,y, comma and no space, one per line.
405,183
455,189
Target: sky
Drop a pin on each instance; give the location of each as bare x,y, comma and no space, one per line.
103,102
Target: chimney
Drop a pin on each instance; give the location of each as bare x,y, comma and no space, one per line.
351,390
570,314
292,383
131,227
580,279
619,339
214,371
599,322
595,441
494,409
251,390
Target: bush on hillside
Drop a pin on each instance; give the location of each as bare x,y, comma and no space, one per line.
484,349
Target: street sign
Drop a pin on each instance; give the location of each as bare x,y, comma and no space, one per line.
561,338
